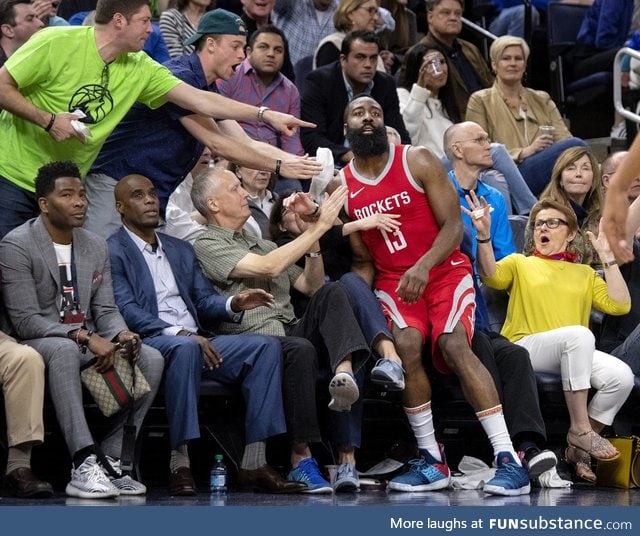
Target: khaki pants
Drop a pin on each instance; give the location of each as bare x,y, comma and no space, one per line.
22,381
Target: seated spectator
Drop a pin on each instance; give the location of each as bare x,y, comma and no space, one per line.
306,22
428,110
261,199
350,16
256,14
575,181
550,299
22,382
513,114
511,16
18,22
57,289
164,143
467,68
163,295
71,7
179,23
329,89
47,11
182,219
603,32
258,80
233,261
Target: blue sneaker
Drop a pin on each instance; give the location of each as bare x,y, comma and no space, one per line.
510,478
389,374
424,474
346,478
308,472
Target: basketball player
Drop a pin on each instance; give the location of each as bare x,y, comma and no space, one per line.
425,286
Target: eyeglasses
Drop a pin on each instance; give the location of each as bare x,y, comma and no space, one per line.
445,13
551,223
371,10
480,140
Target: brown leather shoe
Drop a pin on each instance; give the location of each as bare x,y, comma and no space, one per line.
21,482
265,479
181,482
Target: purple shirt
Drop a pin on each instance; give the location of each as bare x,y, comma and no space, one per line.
281,95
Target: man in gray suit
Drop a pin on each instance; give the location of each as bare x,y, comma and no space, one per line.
58,294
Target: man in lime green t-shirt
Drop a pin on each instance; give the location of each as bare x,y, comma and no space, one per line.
98,73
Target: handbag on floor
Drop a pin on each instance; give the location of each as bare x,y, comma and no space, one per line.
114,389
624,471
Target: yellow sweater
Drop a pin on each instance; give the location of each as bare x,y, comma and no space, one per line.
546,294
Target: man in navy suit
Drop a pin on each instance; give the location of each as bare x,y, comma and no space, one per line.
162,293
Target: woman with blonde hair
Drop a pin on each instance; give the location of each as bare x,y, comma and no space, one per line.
575,181
350,16
526,121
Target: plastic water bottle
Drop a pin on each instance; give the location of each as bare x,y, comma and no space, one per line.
218,477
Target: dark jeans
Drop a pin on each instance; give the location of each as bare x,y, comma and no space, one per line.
511,370
16,206
299,374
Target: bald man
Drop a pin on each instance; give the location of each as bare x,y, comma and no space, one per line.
160,290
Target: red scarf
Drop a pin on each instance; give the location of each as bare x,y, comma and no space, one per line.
562,256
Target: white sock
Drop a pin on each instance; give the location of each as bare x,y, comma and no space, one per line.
492,420
421,421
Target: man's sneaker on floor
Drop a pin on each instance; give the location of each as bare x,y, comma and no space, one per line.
538,461
389,374
346,478
344,391
125,484
308,472
510,478
424,474
89,481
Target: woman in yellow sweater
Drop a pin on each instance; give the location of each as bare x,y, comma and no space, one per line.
550,299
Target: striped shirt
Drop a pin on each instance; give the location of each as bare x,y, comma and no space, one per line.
175,28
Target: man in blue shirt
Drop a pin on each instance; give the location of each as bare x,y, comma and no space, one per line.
469,149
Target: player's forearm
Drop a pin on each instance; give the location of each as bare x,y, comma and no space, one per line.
446,242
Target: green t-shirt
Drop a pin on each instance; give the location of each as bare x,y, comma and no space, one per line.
59,70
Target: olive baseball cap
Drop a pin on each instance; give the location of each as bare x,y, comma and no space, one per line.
218,21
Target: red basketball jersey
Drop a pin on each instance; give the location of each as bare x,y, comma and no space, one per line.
394,191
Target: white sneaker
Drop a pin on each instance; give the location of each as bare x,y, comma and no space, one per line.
619,131
125,484
89,481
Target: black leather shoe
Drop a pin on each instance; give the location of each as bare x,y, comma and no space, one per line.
21,482
181,482
265,479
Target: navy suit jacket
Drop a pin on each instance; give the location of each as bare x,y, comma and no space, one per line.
136,295
323,100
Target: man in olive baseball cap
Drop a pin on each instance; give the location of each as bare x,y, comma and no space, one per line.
218,21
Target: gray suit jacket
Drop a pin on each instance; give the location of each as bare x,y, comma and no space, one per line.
31,283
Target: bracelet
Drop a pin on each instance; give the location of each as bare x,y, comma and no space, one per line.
261,112
278,164
485,241
313,254
610,263
51,122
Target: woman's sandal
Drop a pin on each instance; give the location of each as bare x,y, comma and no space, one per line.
581,462
590,442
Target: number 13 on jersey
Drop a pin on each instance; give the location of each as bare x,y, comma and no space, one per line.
395,241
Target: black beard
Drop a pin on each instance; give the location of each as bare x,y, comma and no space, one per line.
367,145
